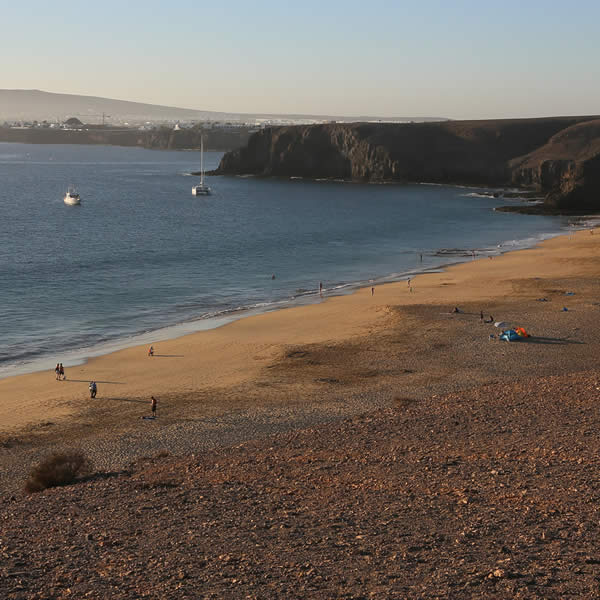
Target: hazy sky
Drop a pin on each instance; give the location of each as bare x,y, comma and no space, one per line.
457,59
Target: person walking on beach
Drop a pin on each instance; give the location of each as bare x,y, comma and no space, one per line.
372,291
93,389
408,282
57,371
151,351
321,289
153,406
481,316
61,372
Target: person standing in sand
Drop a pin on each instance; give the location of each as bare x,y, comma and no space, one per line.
372,291
151,351
61,372
57,371
153,405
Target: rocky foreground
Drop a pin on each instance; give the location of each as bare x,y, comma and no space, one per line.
490,493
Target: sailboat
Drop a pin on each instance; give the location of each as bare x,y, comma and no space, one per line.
201,189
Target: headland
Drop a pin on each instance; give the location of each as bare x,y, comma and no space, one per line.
157,138
559,157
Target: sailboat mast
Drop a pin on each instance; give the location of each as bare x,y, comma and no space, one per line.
201,160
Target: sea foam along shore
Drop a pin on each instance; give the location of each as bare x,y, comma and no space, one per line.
239,352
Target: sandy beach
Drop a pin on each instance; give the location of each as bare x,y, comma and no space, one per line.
238,353
369,446
302,365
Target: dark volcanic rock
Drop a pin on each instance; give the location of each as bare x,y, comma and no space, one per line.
476,152
567,168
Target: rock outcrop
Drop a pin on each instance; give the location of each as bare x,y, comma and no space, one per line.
566,169
553,155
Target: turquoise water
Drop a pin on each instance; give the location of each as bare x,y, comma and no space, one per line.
142,254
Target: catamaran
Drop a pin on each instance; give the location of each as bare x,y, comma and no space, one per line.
201,189
72,197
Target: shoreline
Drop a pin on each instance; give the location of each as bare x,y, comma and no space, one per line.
216,360
81,356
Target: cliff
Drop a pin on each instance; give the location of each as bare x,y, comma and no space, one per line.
496,152
566,168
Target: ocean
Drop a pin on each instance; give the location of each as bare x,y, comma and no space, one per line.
143,260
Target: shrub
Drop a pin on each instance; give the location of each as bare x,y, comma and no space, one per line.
60,468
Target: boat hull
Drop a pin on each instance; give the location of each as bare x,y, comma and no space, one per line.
200,190
72,201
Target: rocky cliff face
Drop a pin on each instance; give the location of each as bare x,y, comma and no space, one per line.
566,168
476,152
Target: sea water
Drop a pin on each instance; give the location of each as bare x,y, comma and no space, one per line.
142,259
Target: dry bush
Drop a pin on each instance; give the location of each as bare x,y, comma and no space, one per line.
60,468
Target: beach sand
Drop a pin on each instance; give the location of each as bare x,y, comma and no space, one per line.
308,364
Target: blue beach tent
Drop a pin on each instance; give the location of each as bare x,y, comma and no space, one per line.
510,336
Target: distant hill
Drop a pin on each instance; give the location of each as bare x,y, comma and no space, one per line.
39,105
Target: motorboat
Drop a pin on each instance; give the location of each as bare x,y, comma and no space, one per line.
72,197
201,189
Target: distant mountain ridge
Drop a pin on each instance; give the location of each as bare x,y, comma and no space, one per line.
20,105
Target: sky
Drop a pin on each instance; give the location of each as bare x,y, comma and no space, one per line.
456,58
